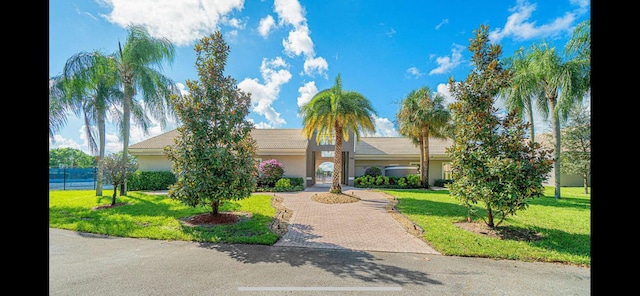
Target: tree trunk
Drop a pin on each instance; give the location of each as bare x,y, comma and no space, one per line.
530,116
337,161
555,122
129,92
113,198
424,170
585,178
490,217
101,147
215,207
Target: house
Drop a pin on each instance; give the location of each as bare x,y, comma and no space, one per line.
301,157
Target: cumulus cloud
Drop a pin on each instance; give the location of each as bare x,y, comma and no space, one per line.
266,25
314,66
520,28
191,19
384,128
447,63
307,91
298,41
443,89
263,95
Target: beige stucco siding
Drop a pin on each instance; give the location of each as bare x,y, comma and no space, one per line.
151,163
294,165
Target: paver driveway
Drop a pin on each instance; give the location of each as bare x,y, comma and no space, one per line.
364,225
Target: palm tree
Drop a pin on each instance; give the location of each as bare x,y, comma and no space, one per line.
139,64
92,91
421,116
137,69
554,84
57,107
333,113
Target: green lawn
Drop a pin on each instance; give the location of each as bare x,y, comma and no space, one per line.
157,217
564,224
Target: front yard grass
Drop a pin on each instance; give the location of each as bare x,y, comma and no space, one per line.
158,217
564,226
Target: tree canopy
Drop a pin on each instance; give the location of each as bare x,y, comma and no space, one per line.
214,152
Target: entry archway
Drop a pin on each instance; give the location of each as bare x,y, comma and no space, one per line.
324,172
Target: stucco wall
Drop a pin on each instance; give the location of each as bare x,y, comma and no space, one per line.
294,165
152,163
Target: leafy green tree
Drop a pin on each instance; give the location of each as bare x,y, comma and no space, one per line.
70,157
492,162
576,145
117,173
423,115
214,153
333,113
554,84
91,91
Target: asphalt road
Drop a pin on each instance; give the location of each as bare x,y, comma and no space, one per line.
88,264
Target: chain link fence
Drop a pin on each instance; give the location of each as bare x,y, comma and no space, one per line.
74,179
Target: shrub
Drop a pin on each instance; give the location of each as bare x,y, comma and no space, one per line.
373,171
442,182
269,172
158,180
283,183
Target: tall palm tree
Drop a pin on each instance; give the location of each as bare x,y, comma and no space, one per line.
333,113
139,65
518,95
423,115
554,84
137,69
92,91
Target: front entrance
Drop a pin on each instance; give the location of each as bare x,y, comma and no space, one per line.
324,172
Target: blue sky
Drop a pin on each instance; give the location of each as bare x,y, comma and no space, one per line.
285,51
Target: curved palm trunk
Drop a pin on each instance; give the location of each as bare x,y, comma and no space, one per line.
337,162
555,122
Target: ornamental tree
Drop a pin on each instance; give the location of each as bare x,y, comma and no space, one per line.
117,173
213,155
576,145
493,162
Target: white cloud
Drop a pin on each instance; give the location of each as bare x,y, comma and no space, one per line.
443,22
289,12
384,128
414,72
307,91
190,19
443,89
266,25
298,43
519,27
263,95
316,65
446,63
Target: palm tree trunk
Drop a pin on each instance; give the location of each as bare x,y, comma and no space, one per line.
126,126
555,122
424,171
337,161
101,138
530,115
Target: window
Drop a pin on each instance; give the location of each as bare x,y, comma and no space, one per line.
327,153
446,171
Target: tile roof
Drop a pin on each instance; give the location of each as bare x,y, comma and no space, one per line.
265,139
398,146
